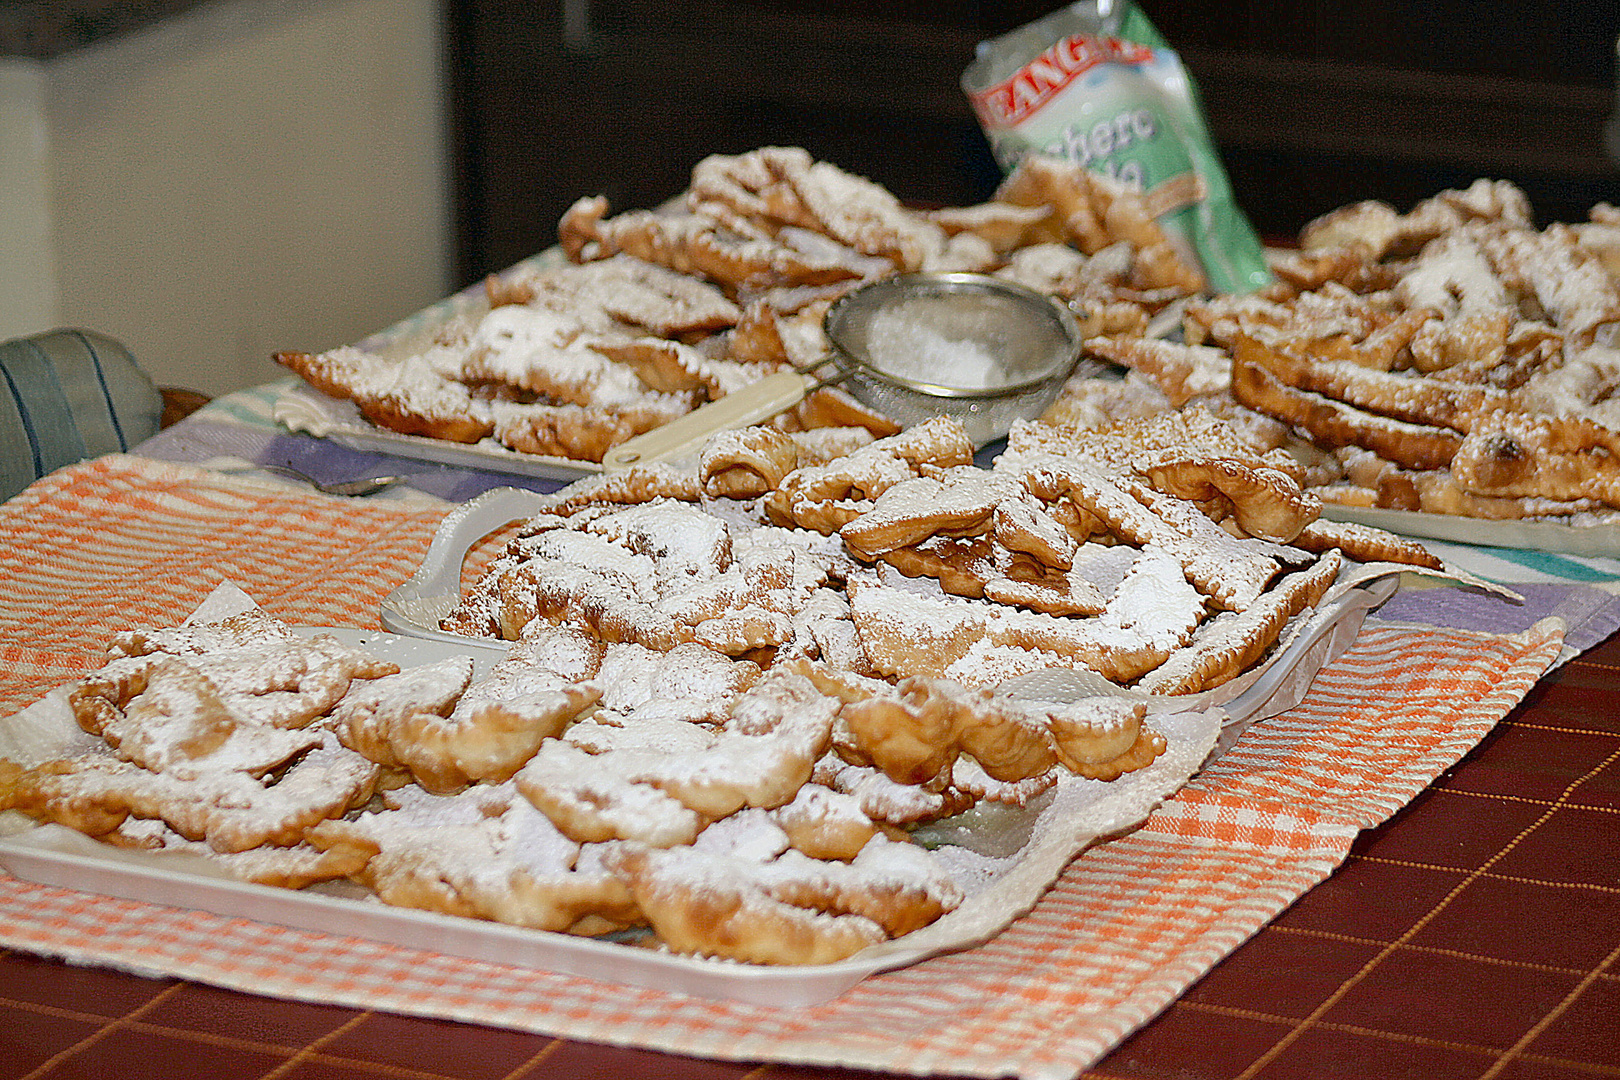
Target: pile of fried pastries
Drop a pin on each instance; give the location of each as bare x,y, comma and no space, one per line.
655,313
731,692
1452,359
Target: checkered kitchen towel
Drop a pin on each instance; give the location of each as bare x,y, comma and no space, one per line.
1125,929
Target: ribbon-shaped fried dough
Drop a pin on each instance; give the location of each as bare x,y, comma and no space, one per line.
761,758
790,909
421,721
1264,502
485,854
915,735
957,503
1331,423
1232,641
746,463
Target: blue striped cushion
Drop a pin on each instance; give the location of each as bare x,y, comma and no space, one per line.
68,395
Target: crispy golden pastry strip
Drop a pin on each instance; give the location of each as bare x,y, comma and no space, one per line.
1567,283
228,809
581,432
1153,612
831,406
589,801
1403,398
691,244
826,824
747,463
1005,226
691,683
485,854
788,910
761,758
1333,424
1264,502
1561,458
1232,641
626,487
1184,372
776,190
1103,738
164,714
887,802
1365,544
633,292
960,501
915,734
866,216
826,497
250,628
410,396
294,867
421,721
1223,567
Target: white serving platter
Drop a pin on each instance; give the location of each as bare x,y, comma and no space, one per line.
1023,853
418,605
1595,537
303,408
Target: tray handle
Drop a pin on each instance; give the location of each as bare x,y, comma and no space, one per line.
415,608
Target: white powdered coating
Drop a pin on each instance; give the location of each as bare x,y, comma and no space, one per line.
817,803
590,800
514,330
437,685
542,350
643,294
481,834
751,835
178,724
899,344
987,662
1155,602
682,540
417,382
1451,276
1572,287
880,798
689,683
661,734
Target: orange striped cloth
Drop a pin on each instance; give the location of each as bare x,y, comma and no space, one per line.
1126,928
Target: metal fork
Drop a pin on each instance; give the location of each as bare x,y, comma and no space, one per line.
364,485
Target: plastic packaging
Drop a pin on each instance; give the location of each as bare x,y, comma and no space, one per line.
1094,82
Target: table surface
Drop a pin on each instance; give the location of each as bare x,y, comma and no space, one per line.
1475,934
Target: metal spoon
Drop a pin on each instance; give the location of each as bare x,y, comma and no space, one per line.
365,485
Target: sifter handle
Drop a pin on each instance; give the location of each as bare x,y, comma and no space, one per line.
755,402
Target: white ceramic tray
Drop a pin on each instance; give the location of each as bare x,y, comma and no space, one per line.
1594,540
418,605
1021,855
303,408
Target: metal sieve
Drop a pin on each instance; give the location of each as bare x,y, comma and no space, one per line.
975,348
981,350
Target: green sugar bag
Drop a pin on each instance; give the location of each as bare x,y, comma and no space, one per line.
1094,82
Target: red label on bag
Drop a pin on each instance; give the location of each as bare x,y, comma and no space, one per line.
1010,102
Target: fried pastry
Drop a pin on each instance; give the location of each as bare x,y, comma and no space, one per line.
485,854
422,721
790,909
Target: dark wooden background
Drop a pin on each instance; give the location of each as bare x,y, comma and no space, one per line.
1313,103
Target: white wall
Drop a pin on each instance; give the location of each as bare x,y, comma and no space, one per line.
28,296
251,175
